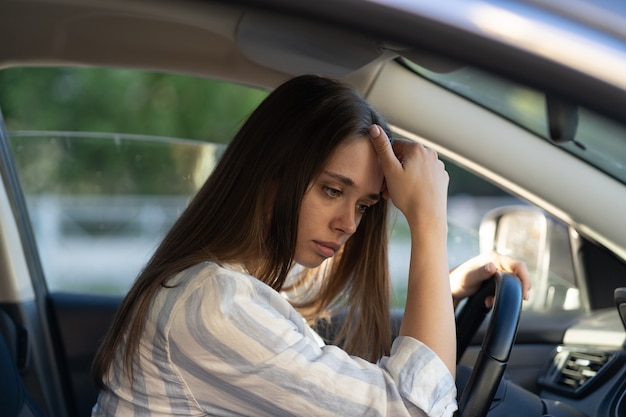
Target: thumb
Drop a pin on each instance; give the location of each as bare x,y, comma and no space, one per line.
477,275
383,148
486,272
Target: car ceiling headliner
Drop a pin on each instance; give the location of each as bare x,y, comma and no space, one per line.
192,38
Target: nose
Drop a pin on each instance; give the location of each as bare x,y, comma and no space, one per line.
346,219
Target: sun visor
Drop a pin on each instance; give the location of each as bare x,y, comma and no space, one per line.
298,46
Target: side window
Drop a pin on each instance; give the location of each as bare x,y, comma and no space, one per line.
96,223
474,207
100,203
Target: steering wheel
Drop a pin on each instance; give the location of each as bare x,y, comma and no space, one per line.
497,343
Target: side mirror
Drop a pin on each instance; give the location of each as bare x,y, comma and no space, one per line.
544,244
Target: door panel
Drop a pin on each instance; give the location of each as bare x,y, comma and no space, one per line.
82,322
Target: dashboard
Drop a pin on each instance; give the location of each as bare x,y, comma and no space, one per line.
588,370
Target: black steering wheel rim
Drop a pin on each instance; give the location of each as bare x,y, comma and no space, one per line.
496,347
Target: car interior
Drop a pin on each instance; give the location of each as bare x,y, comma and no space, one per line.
561,353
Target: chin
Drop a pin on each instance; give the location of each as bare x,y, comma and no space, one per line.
311,263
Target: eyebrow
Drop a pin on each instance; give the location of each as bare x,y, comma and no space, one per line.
349,183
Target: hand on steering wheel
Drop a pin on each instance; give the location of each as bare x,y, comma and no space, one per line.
496,347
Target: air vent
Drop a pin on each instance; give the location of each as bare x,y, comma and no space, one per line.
574,371
580,367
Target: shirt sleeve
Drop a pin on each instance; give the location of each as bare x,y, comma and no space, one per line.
241,347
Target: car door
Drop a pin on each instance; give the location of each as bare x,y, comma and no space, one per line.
93,234
23,293
90,208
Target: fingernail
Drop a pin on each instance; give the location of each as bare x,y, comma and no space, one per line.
374,131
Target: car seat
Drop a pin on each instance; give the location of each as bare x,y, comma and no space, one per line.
15,401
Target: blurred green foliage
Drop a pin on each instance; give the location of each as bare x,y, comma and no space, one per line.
124,101
121,102
111,165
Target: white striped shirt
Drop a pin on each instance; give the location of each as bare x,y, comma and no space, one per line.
222,343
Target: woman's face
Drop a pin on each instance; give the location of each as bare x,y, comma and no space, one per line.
336,201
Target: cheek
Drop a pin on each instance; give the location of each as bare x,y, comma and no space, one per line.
307,205
316,212
309,212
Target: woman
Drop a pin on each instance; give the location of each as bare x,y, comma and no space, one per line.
291,225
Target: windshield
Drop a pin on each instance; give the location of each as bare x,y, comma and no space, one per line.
598,140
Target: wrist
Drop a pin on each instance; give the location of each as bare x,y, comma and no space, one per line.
428,225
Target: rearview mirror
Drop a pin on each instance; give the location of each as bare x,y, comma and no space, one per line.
544,244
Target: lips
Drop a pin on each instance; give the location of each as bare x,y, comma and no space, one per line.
327,249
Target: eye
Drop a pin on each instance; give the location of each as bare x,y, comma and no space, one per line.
331,192
362,208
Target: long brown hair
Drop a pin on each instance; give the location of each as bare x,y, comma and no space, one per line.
267,168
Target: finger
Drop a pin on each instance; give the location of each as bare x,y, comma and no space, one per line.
482,273
488,270
383,148
489,301
518,269
524,276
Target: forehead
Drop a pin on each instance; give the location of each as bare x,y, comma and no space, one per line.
356,159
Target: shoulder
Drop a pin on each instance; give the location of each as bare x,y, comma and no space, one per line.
194,287
209,286
215,300
209,276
